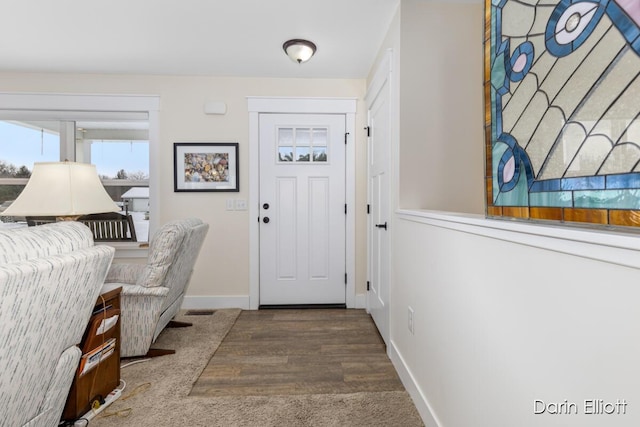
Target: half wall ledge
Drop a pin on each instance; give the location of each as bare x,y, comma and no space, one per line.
610,246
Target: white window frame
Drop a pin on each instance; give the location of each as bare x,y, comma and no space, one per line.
63,106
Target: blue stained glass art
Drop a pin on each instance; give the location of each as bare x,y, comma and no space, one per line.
561,99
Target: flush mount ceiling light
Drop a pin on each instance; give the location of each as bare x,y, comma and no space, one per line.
299,50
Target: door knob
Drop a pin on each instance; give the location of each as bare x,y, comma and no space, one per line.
382,225
265,206
265,220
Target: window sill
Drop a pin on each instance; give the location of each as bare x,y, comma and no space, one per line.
128,250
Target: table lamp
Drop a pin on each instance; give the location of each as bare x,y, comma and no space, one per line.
66,190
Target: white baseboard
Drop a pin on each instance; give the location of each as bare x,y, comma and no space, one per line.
200,302
424,409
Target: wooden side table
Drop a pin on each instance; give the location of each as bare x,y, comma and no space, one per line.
99,371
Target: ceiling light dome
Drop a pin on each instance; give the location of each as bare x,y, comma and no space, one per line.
299,50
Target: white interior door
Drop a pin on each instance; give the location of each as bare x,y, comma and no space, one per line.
379,154
302,209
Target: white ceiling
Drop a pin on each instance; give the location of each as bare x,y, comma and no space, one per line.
192,37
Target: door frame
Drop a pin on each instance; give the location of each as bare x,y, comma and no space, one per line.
288,105
382,75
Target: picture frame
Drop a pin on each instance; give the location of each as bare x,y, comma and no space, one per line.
206,166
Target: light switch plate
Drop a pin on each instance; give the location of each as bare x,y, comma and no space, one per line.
241,204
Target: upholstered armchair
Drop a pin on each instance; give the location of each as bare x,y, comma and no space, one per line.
152,293
50,279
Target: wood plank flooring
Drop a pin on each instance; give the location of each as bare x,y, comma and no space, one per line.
311,351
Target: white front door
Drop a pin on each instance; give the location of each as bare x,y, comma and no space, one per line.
379,155
302,209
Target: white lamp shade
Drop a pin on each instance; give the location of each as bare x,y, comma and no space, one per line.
62,189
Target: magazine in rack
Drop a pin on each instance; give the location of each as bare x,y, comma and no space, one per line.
97,355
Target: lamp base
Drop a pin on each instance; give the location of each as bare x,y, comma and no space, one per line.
68,218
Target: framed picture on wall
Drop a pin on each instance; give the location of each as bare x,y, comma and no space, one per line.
205,166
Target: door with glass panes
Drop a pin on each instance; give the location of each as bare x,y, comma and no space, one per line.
302,209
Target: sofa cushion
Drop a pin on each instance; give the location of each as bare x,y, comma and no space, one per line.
162,251
44,240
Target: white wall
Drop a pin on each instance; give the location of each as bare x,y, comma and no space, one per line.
441,120
506,313
506,318
222,270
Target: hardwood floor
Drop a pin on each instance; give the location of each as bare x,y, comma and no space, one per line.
313,351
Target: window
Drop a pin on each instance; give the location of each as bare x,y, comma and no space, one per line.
111,132
301,145
122,165
19,145
121,158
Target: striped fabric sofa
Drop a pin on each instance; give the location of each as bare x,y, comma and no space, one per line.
152,293
50,278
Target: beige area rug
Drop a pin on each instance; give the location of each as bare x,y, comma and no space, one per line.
157,392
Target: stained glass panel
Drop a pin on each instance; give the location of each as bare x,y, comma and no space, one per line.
562,110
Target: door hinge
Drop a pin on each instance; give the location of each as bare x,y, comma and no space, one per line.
368,209
368,129
345,278
345,137
345,208
368,285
